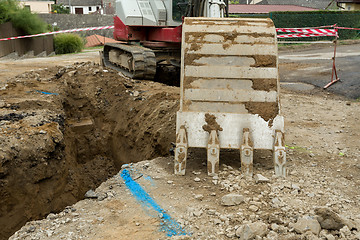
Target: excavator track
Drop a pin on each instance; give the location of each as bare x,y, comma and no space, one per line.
133,61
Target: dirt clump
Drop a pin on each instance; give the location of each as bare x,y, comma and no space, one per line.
267,110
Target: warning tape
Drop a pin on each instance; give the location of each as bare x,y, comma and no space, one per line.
330,32
301,32
306,35
61,31
347,28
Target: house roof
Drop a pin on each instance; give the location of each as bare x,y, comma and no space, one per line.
98,40
251,8
80,2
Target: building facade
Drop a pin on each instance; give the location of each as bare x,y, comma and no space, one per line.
349,5
83,6
38,6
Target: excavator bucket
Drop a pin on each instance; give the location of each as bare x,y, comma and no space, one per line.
229,92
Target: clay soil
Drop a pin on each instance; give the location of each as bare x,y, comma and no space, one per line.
67,127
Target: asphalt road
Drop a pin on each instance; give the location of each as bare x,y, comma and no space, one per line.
314,66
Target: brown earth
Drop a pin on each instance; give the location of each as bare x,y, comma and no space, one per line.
56,147
53,148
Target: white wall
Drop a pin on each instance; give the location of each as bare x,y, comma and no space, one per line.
38,6
86,9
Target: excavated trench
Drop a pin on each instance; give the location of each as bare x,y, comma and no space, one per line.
97,122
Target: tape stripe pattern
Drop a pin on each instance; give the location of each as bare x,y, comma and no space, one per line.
298,32
61,31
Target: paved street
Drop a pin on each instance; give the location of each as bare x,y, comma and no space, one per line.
314,67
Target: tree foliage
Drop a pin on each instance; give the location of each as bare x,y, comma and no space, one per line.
21,18
60,9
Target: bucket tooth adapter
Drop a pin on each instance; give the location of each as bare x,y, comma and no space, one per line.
229,92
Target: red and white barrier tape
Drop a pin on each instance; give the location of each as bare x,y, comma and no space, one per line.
307,35
330,32
347,28
301,32
61,31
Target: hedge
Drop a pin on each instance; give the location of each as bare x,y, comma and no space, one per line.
314,19
319,18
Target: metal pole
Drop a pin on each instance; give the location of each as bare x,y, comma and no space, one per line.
70,6
333,70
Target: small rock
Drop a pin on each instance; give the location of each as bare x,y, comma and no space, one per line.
102,196
197,212
251,231
51,216
274,227
253,208
330,237
136,94
42,132
49,233
307,224
211,212
170,182
329,219
197,179
345,232
31,229
295,186
232,199
217,221
261,179
90,194
199,197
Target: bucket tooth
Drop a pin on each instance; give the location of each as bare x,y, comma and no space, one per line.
246,154
280,155
213,153
181,152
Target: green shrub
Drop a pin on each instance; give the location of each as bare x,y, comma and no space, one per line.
28,22
68,43
21,18
60,9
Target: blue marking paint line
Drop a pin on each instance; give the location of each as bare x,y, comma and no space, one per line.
47,93
168,224
148,178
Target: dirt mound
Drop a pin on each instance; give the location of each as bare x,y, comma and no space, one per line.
64,130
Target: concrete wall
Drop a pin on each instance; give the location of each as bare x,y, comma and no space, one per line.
25,45
109,7
38,6
70,21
